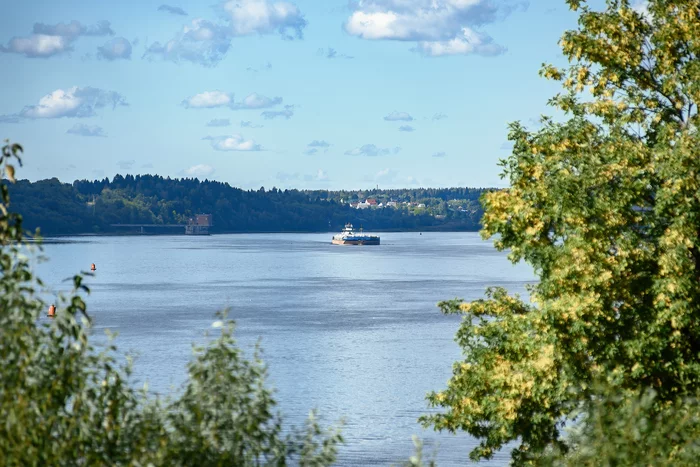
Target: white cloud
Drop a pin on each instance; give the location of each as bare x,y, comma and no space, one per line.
287,113
208,100
439,27
440,154
263,17
235,142
398,117
315,146
406,128
211,99
467,43
201,42
257,101
199,170
73,102
47,40
439,116
37,45
206,43
80,129
371,150
114,49
249,124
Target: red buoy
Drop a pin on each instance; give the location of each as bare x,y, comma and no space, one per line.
92,267
52,311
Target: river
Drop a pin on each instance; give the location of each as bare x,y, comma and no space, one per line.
351,331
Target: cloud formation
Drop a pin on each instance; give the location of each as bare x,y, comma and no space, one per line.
115,49
172,9
257,101
248,17
249,124
234,142
439,116
440,154
201,42
371,150
438,27
272,114
47,40
398,117
126,165
209,100
74,102
212,99
81,129
219,122
407,128
206,43
315,146
199,170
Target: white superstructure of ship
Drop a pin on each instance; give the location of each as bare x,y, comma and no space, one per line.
349,237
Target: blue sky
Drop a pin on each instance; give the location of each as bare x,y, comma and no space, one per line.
304,94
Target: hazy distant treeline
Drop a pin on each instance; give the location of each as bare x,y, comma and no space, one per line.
93,206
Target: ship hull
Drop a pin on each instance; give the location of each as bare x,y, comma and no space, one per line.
355,242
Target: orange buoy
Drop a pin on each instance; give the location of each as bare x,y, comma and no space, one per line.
92,267
52,311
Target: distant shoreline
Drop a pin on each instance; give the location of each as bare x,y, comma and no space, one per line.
171,234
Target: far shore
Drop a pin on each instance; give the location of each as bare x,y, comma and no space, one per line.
171,234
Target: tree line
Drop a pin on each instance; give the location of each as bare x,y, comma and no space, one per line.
94,206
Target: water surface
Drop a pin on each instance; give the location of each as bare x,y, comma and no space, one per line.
352,331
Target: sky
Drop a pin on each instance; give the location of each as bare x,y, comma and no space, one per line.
293,94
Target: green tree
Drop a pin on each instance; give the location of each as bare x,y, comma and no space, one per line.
605,206
64,403
633,431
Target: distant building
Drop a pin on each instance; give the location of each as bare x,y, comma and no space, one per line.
371,201
198,225
391,204
363,205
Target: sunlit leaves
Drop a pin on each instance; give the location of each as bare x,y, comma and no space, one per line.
605,206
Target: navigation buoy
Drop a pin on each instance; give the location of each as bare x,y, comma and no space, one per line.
92,267
52,311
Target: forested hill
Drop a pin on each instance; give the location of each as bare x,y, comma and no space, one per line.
93,206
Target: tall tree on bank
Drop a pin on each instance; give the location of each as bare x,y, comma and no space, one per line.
606,208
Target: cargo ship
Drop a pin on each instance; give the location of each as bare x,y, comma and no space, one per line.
349,237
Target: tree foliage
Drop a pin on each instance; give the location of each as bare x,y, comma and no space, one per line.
93,206
64,403
605,206
632,430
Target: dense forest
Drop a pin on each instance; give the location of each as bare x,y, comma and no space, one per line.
95,206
